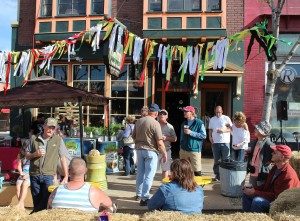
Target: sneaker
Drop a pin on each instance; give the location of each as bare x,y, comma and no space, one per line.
137,198
216,179
144,202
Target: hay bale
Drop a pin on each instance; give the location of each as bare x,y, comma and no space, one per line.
295,162
175,216
288,201
286,217
77,215
12,213
63,215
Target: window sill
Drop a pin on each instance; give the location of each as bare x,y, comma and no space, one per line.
69,15
216,12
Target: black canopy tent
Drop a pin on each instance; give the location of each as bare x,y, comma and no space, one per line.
46,91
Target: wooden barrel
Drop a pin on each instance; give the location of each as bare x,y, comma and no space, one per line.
96,173
295,162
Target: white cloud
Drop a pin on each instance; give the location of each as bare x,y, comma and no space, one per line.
7,16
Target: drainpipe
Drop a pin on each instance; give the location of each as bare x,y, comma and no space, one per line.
109,8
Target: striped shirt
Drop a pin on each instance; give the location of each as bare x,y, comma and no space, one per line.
73,199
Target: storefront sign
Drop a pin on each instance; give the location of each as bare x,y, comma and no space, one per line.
288,75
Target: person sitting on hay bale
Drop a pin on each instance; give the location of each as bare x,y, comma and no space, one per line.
181,194
281,177
77,194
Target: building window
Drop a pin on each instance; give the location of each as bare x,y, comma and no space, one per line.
46,8
154,23
71,7
127,94
94,23
62,26
44,27
90,78
174,23
193,22
78,25
287,89
155,5
97,7
213,22
213,5
60,72
184,5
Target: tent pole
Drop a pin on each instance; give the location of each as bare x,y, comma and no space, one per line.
80,126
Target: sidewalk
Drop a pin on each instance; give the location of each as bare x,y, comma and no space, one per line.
122,190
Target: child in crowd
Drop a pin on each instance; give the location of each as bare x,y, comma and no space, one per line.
23,181
240,136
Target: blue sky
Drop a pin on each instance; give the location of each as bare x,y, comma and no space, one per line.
7,16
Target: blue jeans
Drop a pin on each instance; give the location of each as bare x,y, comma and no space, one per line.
220,151
255,204
128,160
238,155
146,169
39,191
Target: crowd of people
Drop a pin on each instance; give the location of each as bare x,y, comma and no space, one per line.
146,144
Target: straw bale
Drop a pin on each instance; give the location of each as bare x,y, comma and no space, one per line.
12,213
288,201
175,216
295,162
63,215
285,217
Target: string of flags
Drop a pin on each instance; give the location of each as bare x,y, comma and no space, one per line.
194,60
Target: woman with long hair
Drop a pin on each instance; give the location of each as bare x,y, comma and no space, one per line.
181,194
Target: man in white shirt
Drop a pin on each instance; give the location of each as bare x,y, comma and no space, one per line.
219,136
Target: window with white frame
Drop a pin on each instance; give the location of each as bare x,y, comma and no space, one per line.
97,7
46,8
71,7
184,5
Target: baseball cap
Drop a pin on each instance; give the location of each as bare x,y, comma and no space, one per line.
263,128
283,149
189,109
164,111
154,108
51,122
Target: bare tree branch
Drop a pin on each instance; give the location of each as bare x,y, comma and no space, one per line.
270,3
280,6
289,56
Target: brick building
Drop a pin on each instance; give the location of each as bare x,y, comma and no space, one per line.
173,22
256,67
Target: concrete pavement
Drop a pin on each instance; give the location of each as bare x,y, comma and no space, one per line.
122,191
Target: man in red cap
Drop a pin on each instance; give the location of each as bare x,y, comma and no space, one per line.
192,135
281,177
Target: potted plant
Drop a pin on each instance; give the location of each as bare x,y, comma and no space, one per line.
114,129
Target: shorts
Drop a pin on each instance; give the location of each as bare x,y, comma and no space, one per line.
20,181
167,165
193,157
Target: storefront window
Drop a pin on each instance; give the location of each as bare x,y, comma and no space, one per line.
127,94
287,89
60,72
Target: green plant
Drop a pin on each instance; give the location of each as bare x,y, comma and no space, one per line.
114,128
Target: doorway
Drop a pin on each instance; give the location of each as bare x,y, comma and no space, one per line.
213,95
173,104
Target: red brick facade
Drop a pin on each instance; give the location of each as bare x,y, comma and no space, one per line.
26,24
254,75
130,13
235,16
